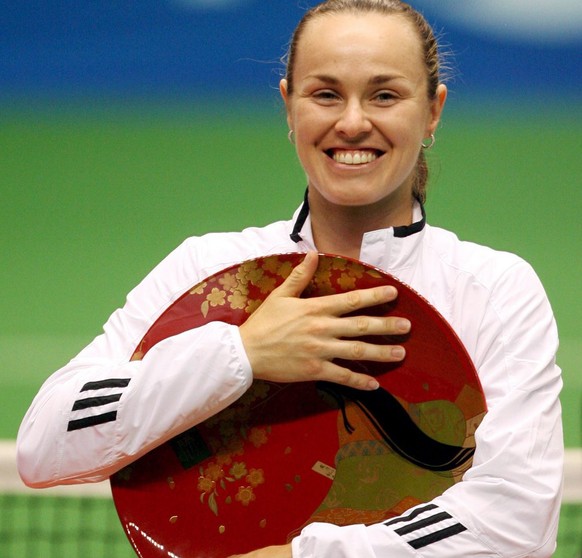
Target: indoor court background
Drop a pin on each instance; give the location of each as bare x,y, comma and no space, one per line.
125,129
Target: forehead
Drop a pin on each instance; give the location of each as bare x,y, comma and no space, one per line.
388,41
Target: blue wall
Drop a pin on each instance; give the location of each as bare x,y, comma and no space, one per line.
160,48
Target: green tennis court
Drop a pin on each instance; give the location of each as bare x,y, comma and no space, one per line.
92,199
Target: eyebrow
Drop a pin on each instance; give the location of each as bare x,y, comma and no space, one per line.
383,78
376,80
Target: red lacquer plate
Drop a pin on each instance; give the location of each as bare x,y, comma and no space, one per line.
286,455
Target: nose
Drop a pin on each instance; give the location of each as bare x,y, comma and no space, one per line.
353,121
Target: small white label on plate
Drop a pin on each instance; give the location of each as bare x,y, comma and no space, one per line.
324,470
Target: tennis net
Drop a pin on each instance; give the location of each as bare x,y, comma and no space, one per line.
81,521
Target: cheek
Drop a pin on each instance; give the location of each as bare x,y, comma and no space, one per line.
410,125
307,140
307,156
303,127
310,121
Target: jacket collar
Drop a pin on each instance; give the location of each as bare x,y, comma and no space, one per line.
388,249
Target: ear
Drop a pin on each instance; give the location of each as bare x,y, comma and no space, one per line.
436,108
283,89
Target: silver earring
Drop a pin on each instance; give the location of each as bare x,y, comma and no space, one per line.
430,143
291,137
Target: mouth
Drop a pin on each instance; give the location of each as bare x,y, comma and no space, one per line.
354,156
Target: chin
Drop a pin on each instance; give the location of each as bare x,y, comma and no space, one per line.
362,199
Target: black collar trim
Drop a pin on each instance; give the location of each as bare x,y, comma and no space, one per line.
399,232
301,218
409,230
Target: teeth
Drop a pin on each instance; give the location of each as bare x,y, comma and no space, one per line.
354,157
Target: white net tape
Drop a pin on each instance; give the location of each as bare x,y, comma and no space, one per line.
10,482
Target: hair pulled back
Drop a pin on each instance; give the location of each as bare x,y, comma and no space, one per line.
426,36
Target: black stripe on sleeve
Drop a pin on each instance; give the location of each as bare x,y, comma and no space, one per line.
436,518
91,421
420,532
411,515
437,536
104,384
95,401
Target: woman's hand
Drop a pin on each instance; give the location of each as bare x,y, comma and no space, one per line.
291,339
283,551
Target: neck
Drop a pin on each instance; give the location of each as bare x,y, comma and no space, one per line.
340,229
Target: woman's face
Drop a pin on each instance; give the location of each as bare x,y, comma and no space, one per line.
359,107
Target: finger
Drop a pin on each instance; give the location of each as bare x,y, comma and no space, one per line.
359,326
331,371
352,301
356,350
300,277
336,374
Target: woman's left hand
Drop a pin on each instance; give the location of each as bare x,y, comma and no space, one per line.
283,551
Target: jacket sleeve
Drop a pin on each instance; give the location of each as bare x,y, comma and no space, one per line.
102,411
508,503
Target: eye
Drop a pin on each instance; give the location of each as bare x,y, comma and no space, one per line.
326,96
385,97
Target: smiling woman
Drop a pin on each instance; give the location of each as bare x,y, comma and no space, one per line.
360,107
364,98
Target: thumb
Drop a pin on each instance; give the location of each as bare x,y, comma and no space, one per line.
300,277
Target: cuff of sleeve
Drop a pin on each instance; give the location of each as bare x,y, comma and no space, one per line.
323,540
239,348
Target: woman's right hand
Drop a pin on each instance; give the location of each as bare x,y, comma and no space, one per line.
292,339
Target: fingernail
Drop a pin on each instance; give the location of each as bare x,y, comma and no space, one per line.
402,324
398,352
373,384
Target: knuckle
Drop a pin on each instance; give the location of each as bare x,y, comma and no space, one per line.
382,294
362,324
379,295
315,306
359,382
344,377
353,299
297,273
314,330
390,325
313,368
355,380
312,348
358,350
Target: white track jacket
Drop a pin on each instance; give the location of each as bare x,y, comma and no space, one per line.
508,502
